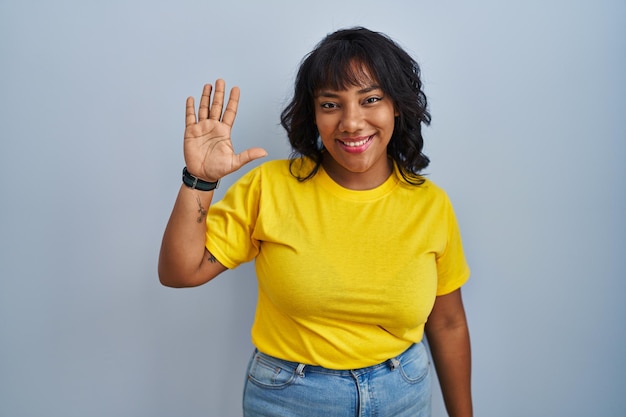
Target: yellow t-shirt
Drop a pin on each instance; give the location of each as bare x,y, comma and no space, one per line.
346,278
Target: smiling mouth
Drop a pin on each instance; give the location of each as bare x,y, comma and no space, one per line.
356,144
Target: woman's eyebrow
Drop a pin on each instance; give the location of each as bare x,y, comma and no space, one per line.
335,94
369,89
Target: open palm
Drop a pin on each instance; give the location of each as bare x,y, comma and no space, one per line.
208,150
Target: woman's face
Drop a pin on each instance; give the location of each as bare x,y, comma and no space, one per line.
355,126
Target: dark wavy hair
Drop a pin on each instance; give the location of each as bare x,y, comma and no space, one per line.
332,65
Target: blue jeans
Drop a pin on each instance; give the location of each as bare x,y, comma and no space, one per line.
399,387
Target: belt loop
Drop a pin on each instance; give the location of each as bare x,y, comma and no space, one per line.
300,370
394,363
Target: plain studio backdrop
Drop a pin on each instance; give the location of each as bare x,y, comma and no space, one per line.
527,137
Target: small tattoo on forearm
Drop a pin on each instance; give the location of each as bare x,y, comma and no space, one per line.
201,210
212,258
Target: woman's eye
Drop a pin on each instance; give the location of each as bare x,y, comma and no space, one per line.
328,105
371,100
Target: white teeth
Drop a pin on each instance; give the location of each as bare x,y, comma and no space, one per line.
355,144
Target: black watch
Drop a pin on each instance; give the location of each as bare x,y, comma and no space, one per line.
198,184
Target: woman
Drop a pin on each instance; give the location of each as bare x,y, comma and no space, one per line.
354,249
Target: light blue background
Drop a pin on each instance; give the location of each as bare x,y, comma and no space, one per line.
528,102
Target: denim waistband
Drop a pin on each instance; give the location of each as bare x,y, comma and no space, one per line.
299,368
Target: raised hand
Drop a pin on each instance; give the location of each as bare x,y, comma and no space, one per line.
208,150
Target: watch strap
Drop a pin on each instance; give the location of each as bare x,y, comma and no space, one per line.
198,184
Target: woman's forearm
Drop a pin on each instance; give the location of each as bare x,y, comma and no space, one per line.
449,342
451,354
184,260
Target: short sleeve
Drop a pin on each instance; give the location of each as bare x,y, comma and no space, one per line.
452,268
231,222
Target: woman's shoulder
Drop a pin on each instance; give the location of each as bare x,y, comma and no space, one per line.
428,190
420,183
274,165
285,168
431,186
274,169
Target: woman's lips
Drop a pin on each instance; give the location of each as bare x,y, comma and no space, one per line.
356,145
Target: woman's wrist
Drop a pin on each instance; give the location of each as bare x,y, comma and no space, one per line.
196,183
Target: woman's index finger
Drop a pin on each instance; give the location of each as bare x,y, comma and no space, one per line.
231,108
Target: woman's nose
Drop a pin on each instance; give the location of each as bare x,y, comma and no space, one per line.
351,119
